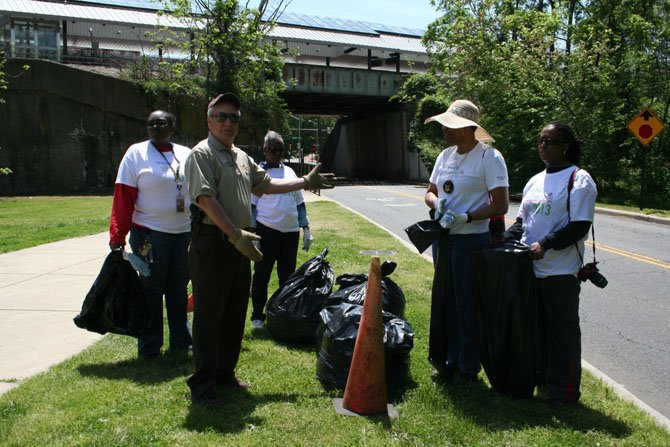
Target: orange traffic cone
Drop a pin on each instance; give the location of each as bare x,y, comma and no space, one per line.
189,303
365,392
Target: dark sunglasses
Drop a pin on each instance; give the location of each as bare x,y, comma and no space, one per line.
222,117
157,123
549,142
276,149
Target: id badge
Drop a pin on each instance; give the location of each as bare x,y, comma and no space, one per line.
180,203
146,251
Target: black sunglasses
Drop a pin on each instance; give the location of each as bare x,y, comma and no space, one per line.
549,142
157,123
276,149
222,117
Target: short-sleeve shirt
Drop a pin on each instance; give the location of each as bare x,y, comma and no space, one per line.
465,181
544,210
279,211
227,174
154,175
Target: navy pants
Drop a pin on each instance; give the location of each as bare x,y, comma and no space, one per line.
278,247
559,296
169,278
462,351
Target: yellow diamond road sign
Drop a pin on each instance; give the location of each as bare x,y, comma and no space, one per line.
646,126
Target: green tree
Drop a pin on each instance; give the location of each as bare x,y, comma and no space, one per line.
593,64
228,52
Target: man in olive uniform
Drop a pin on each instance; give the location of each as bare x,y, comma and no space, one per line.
221,180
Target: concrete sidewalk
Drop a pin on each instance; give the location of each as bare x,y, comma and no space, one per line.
41,290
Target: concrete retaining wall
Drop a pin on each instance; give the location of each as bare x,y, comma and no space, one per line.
64,130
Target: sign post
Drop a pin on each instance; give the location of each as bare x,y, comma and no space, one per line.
645,126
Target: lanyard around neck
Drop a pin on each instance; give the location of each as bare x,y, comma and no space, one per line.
177,178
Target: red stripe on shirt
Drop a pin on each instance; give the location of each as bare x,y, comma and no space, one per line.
123,207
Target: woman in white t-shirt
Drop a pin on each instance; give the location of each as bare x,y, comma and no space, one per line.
467,187
277,219
151,202
554,218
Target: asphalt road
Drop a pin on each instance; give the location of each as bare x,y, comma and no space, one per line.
625,327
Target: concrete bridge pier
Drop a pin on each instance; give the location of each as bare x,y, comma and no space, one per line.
373,147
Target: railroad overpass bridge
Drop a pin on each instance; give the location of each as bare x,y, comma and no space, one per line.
369,140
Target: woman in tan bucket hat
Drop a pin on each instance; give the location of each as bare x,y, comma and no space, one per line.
468,185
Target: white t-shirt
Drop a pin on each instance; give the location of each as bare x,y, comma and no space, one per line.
470,177
544,210
279,211
144,168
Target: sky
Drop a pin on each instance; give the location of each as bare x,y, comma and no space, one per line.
407,13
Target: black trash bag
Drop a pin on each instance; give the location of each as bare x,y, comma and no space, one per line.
293,310
424,233
115,302
510,342
353,287
336,338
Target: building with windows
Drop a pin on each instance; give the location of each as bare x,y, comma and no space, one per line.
113,31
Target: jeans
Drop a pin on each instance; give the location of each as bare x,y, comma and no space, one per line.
169,278
463,352
275,246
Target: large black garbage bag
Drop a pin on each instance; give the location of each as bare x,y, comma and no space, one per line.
353,287
336,338
424,233
115,302
293,310
510,343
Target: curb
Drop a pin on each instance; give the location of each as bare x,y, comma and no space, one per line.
619,389
635,216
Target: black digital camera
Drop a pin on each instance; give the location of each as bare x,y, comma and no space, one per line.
590,272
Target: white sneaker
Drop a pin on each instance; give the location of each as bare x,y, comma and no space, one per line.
257,324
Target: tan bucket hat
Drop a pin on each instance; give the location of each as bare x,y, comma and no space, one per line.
462,113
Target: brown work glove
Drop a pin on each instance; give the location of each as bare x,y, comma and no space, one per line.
242,240
315,180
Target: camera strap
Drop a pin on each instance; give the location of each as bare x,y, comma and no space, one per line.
571,183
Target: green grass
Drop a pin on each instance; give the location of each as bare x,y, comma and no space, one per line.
106,397
29,221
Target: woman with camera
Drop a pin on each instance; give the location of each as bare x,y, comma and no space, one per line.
554,218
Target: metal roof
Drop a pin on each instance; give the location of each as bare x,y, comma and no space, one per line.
403,44
303,28
55,11
344,25
139,4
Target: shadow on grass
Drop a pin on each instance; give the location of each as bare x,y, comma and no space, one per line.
163,368
489,408
233,416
